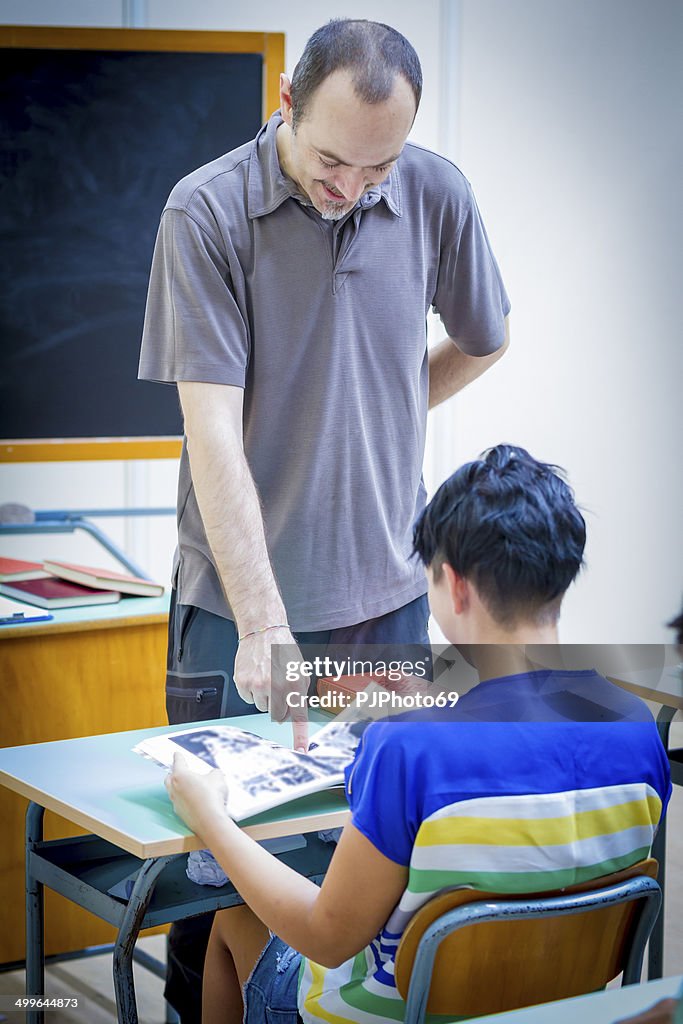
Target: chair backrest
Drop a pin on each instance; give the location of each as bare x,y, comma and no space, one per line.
511,960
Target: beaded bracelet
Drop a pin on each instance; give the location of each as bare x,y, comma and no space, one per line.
281,625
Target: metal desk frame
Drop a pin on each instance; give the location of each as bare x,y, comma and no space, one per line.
83,869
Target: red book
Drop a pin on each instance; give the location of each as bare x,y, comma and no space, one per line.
104,579
54,593
18,569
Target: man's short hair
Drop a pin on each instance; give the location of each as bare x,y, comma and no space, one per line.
509,525
374,54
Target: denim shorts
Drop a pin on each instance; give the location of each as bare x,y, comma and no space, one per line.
270,994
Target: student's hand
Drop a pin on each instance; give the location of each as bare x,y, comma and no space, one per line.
198,799
661,1013
258,683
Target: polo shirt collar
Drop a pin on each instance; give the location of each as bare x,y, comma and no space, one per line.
268,186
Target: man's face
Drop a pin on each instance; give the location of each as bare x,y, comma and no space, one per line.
343,146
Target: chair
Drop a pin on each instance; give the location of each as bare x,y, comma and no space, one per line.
467,953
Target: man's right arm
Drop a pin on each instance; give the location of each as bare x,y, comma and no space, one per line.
233,521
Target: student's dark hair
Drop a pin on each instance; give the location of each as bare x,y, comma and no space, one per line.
510,525
374,54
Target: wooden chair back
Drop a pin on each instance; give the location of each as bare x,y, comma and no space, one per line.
496,966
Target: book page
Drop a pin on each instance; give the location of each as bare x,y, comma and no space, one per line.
336,743
260,774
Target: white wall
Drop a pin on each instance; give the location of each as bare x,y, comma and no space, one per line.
570,129
562,115
98,13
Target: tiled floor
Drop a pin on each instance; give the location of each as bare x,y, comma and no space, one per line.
90,980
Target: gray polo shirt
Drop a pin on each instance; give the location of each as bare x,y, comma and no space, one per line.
324,325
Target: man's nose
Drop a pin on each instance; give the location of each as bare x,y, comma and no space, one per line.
351,183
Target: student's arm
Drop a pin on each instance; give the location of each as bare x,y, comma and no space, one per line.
231,514
450,370
327,924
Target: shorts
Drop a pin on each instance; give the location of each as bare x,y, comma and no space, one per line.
270,994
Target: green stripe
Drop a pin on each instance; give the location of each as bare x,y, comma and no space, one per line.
360,999
389,1009
359,970
520,881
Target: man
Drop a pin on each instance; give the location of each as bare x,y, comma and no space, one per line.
288,296
536,780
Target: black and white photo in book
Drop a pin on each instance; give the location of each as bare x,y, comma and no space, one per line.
260,774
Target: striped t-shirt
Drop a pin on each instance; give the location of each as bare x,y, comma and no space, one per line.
542,780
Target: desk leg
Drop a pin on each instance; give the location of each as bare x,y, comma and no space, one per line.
35,936
124,986
655,955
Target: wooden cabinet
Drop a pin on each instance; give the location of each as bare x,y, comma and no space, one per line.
89,671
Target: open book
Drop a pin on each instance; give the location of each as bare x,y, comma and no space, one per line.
260,773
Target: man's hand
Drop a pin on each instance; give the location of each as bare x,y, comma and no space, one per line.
259,684
197,799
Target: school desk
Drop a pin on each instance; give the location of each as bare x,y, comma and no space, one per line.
596,1008
97,782
662,683
87,671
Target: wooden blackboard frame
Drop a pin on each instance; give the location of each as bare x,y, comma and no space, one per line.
271,47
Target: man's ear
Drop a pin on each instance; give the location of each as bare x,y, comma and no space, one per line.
458,589
286,99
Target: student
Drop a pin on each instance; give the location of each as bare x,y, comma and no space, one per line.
502,540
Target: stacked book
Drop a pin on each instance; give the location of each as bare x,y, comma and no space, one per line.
51,584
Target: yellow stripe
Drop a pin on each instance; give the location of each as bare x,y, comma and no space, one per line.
312,998
493,831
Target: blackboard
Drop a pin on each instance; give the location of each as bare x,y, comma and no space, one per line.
92,142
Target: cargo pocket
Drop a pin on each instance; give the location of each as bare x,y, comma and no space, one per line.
195,696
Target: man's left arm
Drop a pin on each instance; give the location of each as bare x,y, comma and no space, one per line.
450,370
